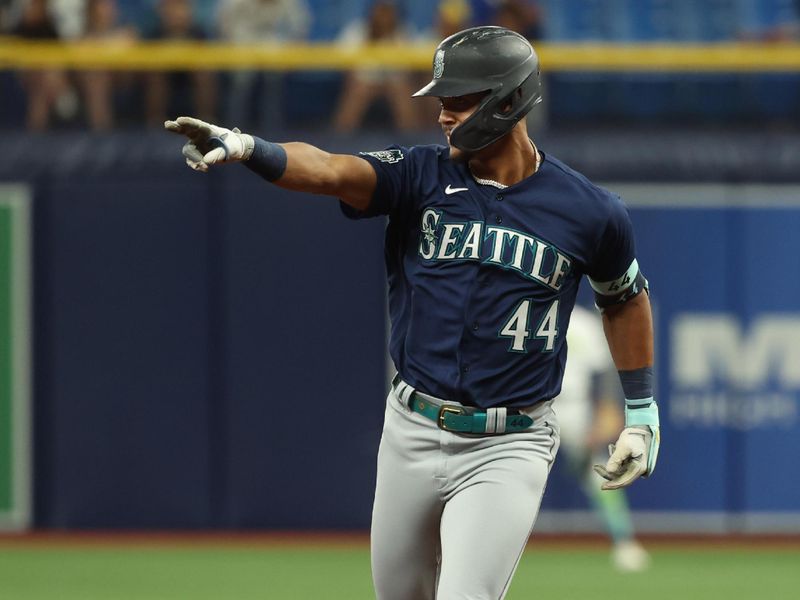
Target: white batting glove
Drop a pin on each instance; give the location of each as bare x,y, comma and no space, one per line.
633,456
209,144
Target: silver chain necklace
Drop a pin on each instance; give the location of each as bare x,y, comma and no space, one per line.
501,186
490,182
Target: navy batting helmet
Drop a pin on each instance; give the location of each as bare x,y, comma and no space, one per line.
486,59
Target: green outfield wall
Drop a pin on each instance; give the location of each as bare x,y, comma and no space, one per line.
14,357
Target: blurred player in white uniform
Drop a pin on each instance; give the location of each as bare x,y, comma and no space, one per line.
589,410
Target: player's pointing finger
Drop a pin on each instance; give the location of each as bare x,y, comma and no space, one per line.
173,126
190,123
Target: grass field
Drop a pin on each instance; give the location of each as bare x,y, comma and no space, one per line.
204,569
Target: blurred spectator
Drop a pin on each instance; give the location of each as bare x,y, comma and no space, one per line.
69,17
589,409
35,21
48,90
786,30
525,17
178,92
6,15
522,16
363,87
98,86
453,16
260,21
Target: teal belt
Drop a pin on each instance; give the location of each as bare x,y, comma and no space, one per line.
465,419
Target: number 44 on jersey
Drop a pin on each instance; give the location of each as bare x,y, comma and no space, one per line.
517,327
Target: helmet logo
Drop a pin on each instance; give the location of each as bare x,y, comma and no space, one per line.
438,64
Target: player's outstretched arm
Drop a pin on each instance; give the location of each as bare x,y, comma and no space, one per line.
629,331
295,166
310,169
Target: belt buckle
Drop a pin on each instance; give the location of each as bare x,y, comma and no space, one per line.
455,410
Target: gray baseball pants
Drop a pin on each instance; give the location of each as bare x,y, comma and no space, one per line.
452,511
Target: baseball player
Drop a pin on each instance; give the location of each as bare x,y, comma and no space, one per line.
487,240
589,410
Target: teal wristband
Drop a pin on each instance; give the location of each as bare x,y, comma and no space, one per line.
643,411
640,408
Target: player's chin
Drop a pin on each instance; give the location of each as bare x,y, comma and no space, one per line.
457,154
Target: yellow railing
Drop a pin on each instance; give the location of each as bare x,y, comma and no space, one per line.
727,57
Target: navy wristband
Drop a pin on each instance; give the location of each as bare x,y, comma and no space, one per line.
268,159
638,383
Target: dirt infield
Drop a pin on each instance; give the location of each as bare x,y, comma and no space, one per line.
306,539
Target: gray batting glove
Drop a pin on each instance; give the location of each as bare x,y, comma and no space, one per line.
209,144
629,458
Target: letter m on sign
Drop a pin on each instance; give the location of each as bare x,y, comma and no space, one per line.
708,348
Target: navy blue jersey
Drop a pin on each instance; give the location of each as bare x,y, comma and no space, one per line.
482,280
